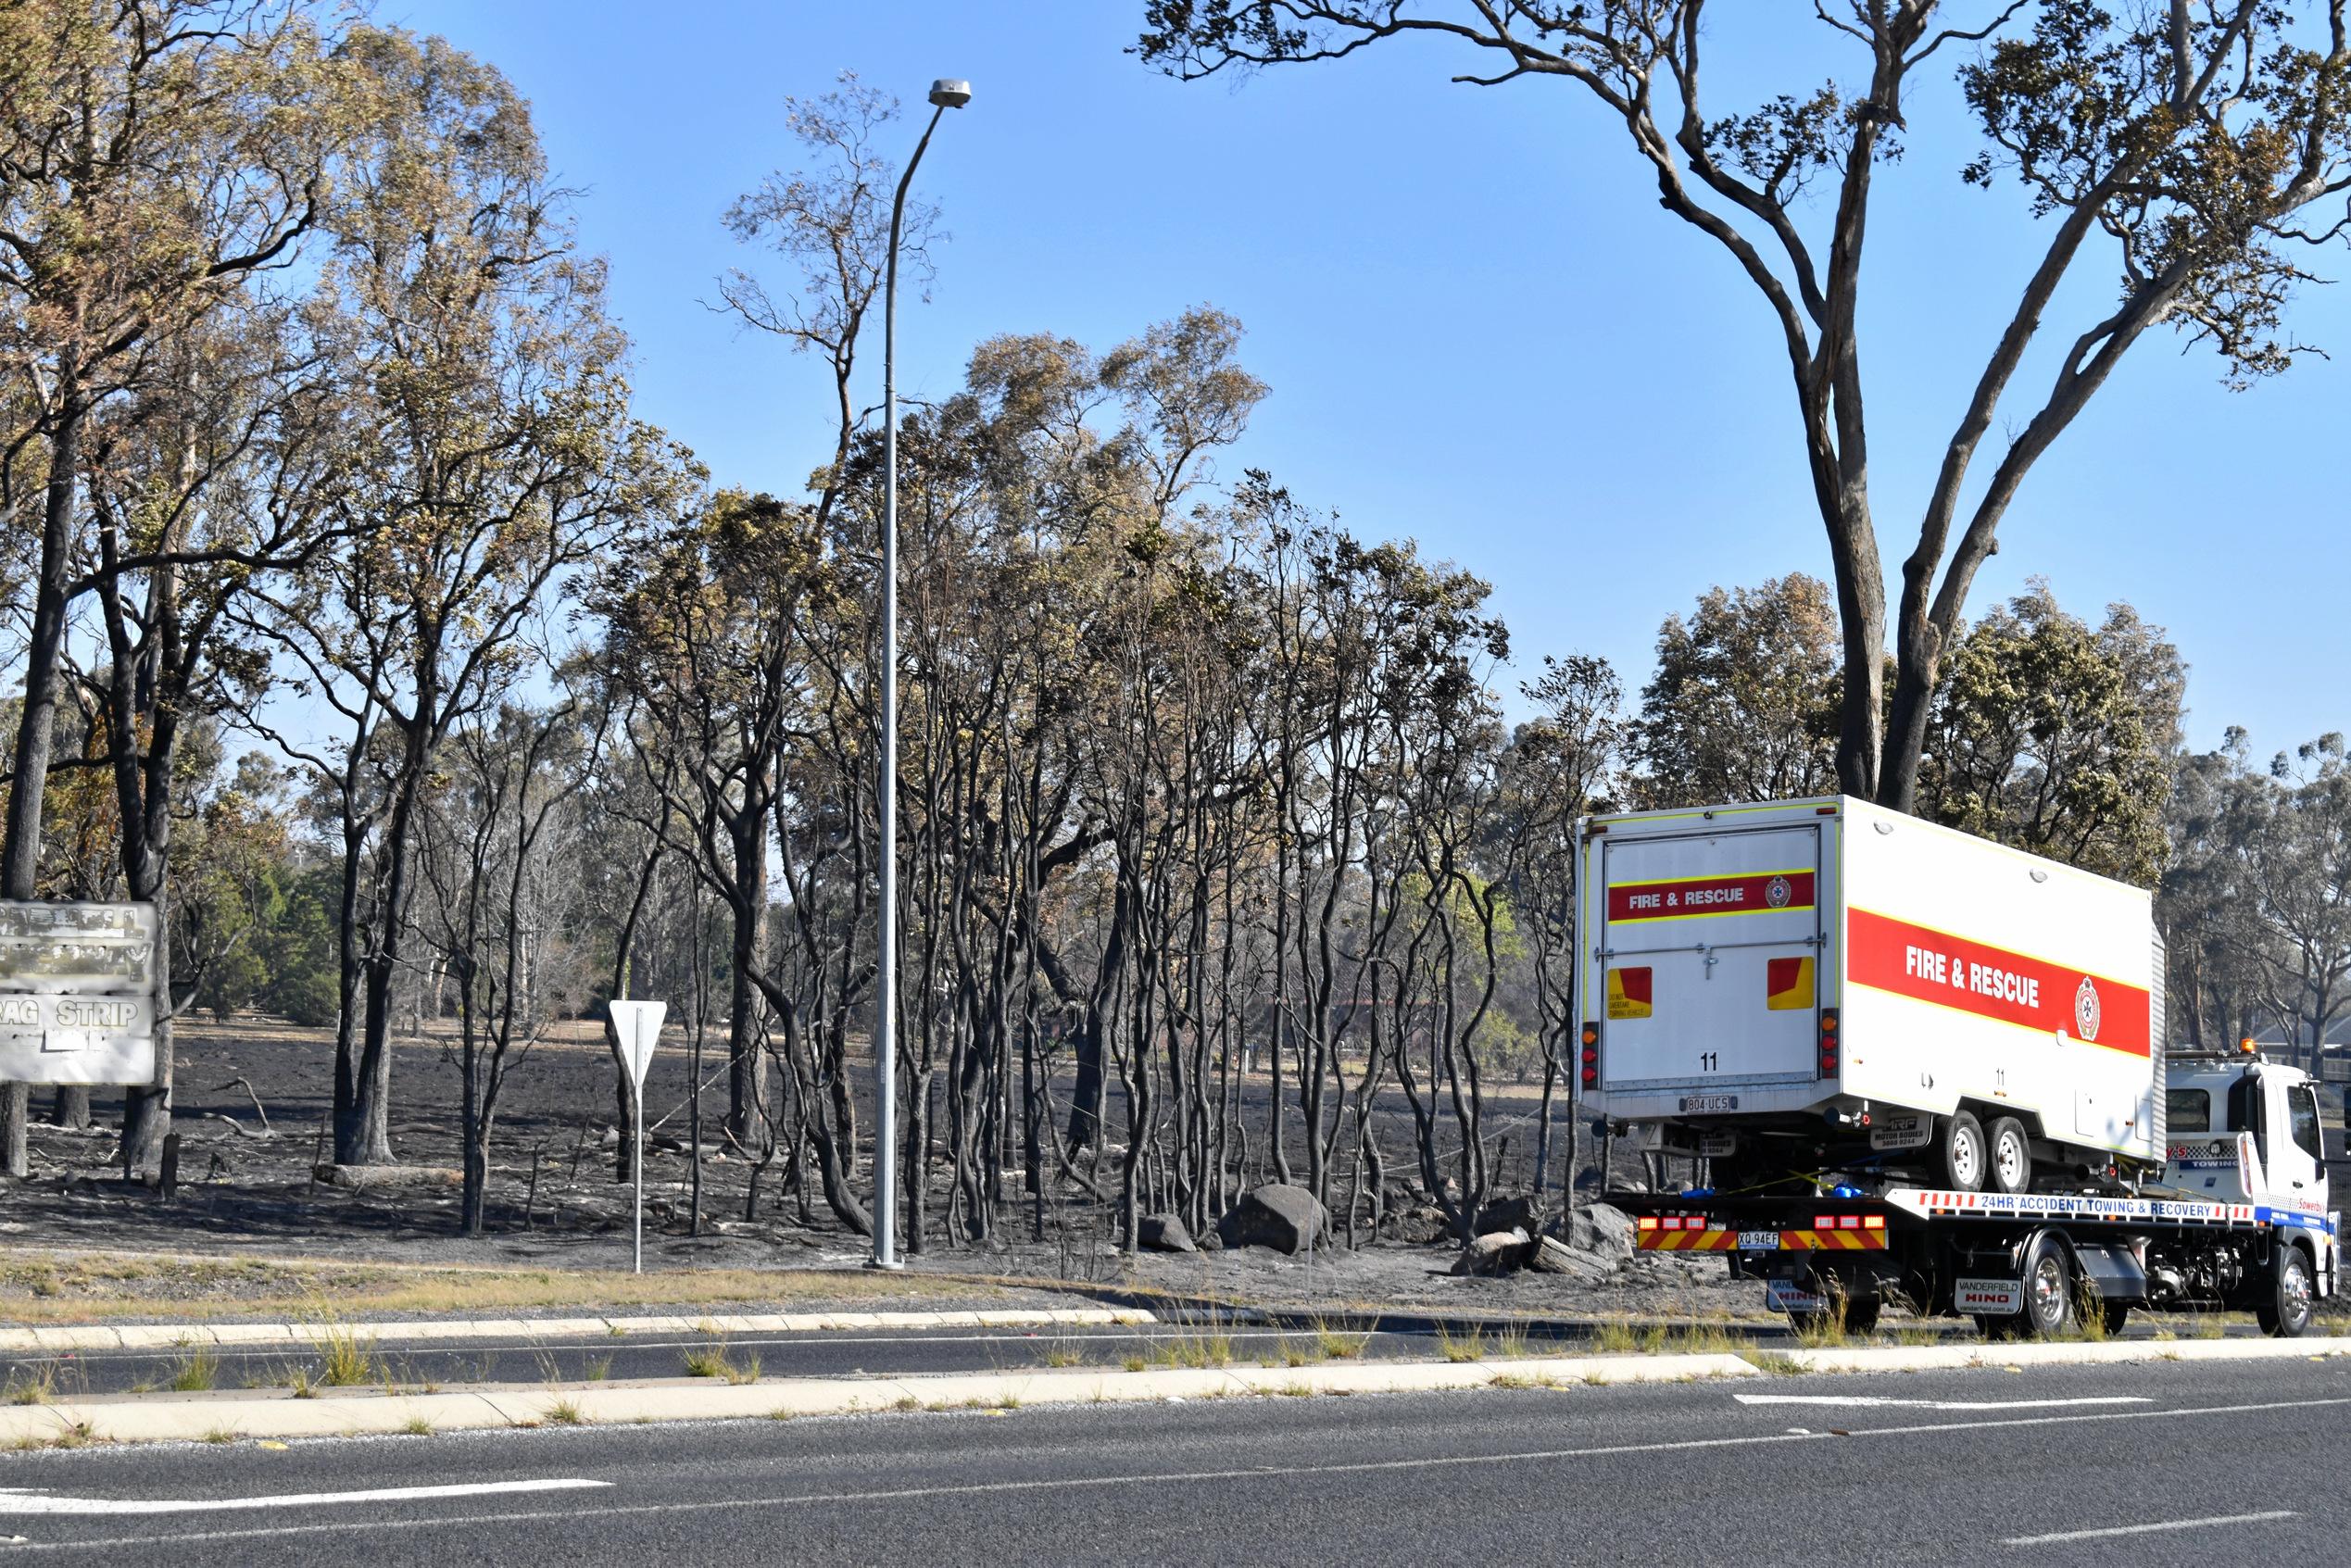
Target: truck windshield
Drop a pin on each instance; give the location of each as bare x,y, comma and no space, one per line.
2188,1111
2302,1106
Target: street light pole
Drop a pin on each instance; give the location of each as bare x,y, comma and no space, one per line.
945,95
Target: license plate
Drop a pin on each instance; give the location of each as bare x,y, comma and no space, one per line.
1758,1241
1700,1105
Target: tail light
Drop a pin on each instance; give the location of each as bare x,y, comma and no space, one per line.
1828,1042
1591,1056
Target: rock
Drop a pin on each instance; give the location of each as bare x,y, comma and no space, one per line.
1496,1252
1521,1213
1420,1223
1287,1219
1551,1256
1211,1242
1163,1233
1600,1229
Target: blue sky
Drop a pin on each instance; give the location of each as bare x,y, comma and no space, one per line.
1481,331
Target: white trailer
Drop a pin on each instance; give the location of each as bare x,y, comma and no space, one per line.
1826,983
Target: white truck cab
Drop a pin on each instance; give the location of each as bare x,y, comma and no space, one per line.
2241,1130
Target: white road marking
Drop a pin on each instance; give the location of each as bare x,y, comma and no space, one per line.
1164,1477
17,1501
1875,1401
2150,1529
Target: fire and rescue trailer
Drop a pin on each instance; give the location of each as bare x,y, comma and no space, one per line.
1915,1066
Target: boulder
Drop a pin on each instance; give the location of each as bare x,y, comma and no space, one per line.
1496,1252
1553,1256
1287,1219
1521,1213
1600,1229
1163,1233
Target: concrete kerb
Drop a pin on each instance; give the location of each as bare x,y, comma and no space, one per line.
1932,1358
172,1337
131,1419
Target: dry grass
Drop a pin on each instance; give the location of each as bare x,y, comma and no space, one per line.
1466,1346
716,1361
38,1290
198,1370
1337,1342
1211,1346
566,1412
346,1360
1614,1339
38,1386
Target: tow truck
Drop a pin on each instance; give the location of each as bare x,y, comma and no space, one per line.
2238,1221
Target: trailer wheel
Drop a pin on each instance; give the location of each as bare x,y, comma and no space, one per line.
1963,1156
2286,1313
2048,1288
2010,1168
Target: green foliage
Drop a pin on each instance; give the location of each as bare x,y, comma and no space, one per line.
2057,739
1743,705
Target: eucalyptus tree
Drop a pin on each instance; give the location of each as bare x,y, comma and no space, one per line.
494,456
155,156
2197,153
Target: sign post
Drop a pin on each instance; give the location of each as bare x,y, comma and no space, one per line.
637,1027
78,1001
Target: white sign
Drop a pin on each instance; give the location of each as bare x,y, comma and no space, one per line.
77,993
1990,1297
637,1026
1789,1296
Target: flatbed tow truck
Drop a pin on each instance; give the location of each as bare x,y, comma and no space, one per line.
2240,1223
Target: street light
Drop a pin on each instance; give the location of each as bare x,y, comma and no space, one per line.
946,93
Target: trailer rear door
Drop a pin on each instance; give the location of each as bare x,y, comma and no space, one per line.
1713,961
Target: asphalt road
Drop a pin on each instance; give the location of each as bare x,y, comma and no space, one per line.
2158,1464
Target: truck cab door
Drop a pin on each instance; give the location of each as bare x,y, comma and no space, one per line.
2291,1155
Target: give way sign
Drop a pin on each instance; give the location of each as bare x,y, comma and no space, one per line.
637,1026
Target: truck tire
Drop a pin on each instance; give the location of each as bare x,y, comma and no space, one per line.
2049,1288
1961,1155
2116,1314
2286,1313
2008,1167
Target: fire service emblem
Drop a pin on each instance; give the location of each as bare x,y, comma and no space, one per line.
2085,1010
1777,893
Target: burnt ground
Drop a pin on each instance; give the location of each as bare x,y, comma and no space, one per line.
247,1187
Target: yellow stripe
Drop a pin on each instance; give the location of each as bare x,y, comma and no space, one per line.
1715,877
1707,914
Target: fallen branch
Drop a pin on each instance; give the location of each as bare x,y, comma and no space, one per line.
246,1084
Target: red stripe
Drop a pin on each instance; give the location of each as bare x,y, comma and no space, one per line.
1708,895
1934,966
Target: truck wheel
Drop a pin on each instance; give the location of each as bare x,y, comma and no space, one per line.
2286,1313
2048,1288
2010,1168
1963,1156
2116,1314
1993,1325
1861,1314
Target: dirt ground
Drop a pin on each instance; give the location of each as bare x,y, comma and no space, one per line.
247,1189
